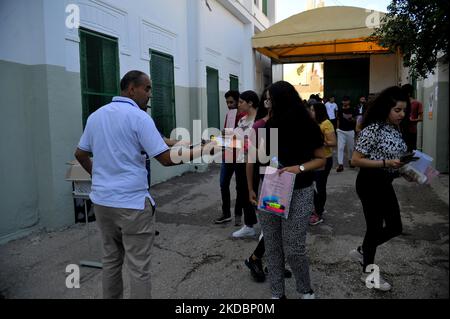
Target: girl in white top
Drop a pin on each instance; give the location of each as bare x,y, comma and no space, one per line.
248,103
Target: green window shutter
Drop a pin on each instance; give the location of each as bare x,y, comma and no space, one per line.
163,92
212,89
234,82
99,68
264,7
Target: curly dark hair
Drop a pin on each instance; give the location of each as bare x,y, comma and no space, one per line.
379,108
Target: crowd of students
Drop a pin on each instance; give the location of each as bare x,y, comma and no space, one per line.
308,132
121,137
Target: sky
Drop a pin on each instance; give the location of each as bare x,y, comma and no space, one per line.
287,8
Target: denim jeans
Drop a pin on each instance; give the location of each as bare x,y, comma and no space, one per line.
226,173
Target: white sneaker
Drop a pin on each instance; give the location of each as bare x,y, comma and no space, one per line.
383,286
244,232
309,296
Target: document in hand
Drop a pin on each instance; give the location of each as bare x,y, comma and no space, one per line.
421,170
422,163
276,192
227,141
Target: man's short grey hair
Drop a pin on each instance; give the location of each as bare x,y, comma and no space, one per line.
135,77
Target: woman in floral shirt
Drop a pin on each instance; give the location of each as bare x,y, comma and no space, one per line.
378,150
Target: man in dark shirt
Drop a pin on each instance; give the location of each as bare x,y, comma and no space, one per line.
360,111
346,123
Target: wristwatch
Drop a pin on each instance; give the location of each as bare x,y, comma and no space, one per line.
302,168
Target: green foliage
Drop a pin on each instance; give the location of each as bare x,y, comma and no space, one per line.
419,29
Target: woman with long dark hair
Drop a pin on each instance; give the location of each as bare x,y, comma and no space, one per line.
300,151
254,262
378,151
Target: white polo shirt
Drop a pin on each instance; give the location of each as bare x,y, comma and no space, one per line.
116,134
331,108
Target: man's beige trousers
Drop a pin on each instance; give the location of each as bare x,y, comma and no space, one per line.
126,233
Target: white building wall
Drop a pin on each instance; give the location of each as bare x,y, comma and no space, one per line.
384,72
22,34
39,50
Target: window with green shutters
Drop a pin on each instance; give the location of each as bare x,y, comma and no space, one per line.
234,82
212,91
99,70
264,7
163,91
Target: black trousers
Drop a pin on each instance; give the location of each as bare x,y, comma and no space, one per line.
380,205
321,179
242,199
226,173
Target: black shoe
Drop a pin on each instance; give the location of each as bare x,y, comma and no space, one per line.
256,269
287,272
223,219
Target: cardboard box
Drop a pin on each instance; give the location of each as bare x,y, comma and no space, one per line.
80,178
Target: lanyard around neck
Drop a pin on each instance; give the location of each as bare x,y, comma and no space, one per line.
127,102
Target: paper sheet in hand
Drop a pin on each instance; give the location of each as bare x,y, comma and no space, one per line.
228,142
422,164
276,192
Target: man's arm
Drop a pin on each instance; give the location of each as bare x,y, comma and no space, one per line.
184,156
171,142
84,159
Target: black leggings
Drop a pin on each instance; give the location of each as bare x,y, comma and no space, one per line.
321,178
242,199
260,249
374,188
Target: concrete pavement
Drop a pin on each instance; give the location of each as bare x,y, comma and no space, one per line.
193,258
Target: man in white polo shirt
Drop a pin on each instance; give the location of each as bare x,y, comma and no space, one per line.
332,111
116,134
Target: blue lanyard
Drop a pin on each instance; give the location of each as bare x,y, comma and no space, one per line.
125,102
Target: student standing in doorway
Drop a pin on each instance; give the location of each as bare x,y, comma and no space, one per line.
332,111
